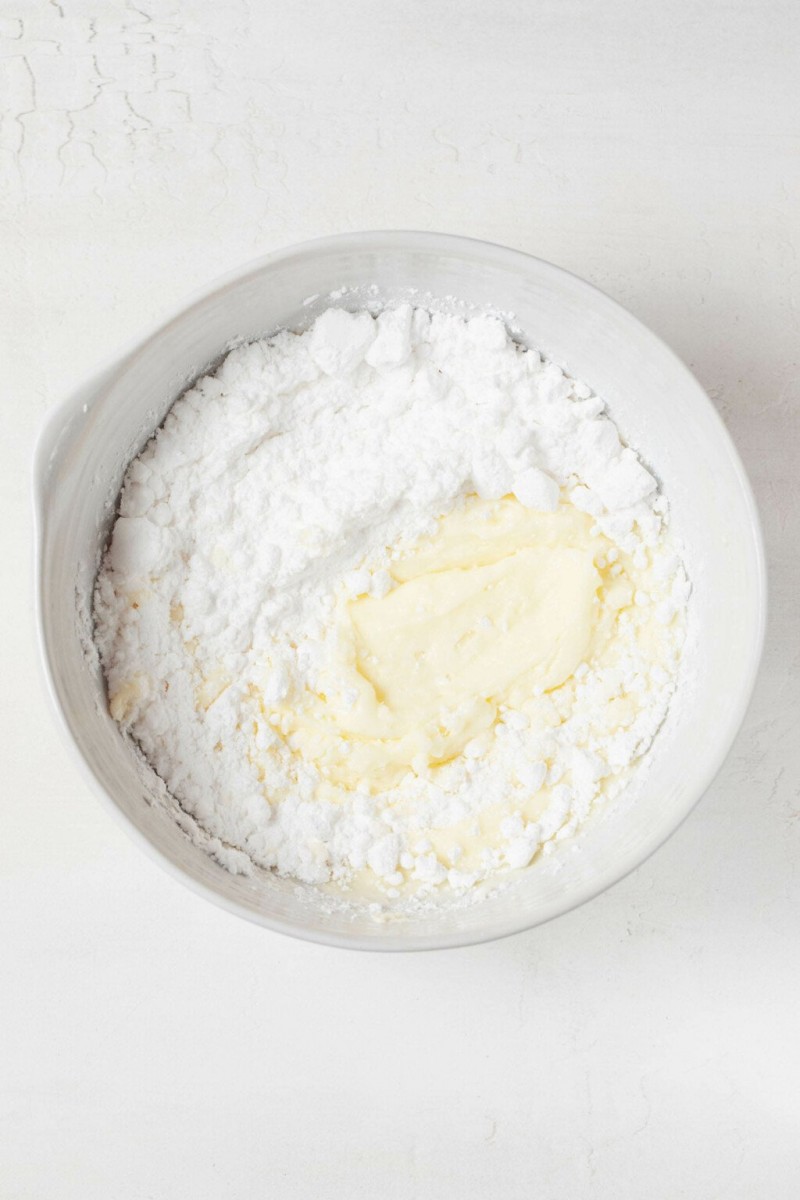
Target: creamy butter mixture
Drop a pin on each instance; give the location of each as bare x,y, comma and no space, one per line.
389,605
502,604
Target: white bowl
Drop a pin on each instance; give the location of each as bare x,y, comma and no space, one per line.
662,412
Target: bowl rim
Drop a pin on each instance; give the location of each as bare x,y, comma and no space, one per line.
59,417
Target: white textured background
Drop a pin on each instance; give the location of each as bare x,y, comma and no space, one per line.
646,1046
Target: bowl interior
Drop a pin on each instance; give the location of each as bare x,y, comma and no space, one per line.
661,411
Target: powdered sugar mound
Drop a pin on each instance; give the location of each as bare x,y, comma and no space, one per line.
289,474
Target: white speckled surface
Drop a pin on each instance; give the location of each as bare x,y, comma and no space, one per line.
646,1045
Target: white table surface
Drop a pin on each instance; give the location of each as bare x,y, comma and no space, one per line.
645,1046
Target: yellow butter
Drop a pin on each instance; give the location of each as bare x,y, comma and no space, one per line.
499,605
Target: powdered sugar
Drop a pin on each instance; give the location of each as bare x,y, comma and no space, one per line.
295,473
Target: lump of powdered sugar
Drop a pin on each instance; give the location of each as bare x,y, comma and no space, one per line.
272,483
536,490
